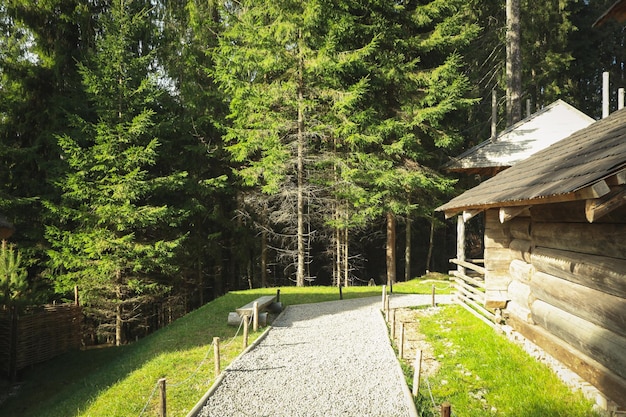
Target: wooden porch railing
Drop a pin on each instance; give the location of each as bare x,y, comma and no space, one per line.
469,281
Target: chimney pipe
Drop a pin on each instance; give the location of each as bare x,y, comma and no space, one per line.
620,98
527,107
605,94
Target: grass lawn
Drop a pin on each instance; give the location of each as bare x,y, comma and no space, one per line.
484,374
120,381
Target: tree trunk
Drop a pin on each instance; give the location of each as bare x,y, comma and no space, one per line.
391,248
264,259
346,269
119,312
200,278
431,243
513,63
407,250
300,163
337,257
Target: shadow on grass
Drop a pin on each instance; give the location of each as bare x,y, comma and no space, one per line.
69,383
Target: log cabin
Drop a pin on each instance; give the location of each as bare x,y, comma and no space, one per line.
516,143
555,250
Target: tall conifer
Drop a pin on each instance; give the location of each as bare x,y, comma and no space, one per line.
110,238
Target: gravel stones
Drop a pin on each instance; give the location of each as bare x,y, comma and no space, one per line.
325,359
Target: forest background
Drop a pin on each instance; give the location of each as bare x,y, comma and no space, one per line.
156,154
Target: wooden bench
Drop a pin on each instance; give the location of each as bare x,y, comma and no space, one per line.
266,302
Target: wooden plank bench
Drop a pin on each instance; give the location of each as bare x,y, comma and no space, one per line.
264,303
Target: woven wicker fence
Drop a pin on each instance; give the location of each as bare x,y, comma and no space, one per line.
37,335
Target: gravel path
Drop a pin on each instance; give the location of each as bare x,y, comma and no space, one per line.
326,359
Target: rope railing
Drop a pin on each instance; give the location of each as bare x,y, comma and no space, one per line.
212,348
156,386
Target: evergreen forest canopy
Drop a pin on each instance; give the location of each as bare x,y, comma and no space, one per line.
157,154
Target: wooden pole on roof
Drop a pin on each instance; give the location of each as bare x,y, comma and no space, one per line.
494,115
605,94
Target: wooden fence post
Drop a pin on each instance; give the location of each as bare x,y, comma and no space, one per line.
255,317
384,296
445,409
417,372
387,308
433,302
393,324
163,407
246,323
401,349
216,354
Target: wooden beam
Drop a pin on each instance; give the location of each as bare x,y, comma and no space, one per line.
472,280
590,370
460,243
595,190
602,239
603,345
452,213
468,214
598,207
477,310
599,272
597,307
481,270
508,213
617,179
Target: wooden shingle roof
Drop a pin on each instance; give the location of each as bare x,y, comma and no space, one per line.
616,12
582,166
528,136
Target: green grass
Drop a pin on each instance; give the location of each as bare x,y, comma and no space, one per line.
484,374
118,381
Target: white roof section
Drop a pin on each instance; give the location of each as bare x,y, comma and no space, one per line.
538,131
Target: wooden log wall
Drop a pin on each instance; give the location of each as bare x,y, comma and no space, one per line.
567,290
497,260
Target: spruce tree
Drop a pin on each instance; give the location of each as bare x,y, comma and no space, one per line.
13,276
40,45
281,67
111,239
416,81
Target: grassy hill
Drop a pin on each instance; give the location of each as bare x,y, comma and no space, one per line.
119,381
122,381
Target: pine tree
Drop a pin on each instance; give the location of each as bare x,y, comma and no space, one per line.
281,66
415,81
13,276
40,44
190,32
111,240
